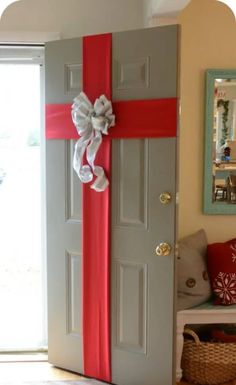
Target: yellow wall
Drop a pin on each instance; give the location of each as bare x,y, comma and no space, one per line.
208,41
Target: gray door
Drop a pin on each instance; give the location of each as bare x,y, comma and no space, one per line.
142,283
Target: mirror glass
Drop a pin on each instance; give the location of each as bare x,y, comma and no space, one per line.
220,142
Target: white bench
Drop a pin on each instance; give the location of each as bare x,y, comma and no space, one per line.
206,313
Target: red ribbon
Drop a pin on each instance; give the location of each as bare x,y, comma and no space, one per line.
96,224
134,119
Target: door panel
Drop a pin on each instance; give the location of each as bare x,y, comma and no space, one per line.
132,170
142,290
64,217
63,77
131,301
145,63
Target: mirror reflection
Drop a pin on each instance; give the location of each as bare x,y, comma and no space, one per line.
224,142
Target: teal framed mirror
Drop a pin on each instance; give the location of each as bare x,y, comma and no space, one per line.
220,142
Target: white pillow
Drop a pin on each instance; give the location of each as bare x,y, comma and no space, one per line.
193,282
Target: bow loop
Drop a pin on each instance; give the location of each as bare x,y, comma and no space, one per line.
91,121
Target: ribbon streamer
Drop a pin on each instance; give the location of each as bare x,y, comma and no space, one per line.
91,121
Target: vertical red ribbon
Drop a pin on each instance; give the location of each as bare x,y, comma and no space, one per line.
96,224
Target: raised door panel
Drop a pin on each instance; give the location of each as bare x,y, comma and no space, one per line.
145,63
131,311
131,181
72,188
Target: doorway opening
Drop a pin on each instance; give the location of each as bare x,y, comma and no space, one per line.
22,213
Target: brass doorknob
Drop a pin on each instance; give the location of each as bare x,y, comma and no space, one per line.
163,249
165,197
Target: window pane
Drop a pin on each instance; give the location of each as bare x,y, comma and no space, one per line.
21,290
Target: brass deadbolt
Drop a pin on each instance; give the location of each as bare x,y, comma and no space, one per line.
163,249
165,198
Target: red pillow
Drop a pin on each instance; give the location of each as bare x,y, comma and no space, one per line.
221,336
221,262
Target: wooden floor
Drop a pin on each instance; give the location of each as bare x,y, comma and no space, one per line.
228,383
33,371
42,371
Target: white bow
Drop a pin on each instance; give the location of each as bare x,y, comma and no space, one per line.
91,122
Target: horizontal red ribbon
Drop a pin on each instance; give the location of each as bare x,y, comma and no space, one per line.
145,118
134,119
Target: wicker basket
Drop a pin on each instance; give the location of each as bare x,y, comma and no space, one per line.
208,363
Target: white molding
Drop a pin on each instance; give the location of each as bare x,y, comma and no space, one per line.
28,37
160,20
162,12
